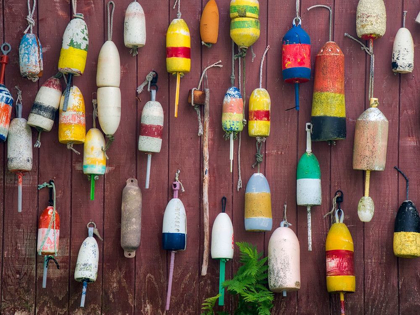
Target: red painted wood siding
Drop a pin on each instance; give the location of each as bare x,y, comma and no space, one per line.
385,284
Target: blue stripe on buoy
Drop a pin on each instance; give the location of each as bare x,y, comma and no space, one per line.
297,73
258,224
174,241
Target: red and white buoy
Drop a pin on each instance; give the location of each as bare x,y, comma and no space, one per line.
134,27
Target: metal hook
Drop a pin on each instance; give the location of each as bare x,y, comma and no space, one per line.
299,22
340,198
93,224
329,9
51,190
224,204
6,48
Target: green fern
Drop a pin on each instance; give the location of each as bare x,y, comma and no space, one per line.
208,305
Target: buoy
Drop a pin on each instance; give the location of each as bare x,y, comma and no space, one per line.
407,227
74,50
232,117
296,55
174,231
6,99
284,259
222,245
87,261
45,107
370,19
48,231
418,18
258,217
209,24
178,51
134,27
308,189
72,123
403,50
244,24
151,127
19,147
131,218
369,153
340,258
328,102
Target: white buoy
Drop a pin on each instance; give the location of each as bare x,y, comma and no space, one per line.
109,109
108,71
134,27
418,18
403,50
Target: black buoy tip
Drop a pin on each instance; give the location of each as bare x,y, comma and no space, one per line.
224,199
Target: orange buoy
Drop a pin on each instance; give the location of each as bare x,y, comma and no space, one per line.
209,24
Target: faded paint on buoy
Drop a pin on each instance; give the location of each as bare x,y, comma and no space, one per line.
30,57
370,19
209,23
244,8
109,109
233,111
72,123
48,244
94,159
259,113
19,146
403,51
6,104
108,71
244,24
87,261
45,106
134,27
131,218
151,128
258,216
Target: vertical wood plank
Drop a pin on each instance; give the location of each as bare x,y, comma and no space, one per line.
19,252
151,275
55,298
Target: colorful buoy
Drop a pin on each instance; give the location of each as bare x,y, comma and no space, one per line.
403,50
6,99
369,153
134,27
370,19
244,24
258,217
209,24
308,190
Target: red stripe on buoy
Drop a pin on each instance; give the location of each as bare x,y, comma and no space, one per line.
154,131
340,263
178,52
263,115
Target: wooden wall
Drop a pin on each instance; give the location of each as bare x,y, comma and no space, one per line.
385,284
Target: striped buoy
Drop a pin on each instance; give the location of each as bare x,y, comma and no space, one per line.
258,217
6,99
244,24
370,19
134,27
209,24
259,113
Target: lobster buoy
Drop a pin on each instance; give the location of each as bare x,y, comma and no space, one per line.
222,245
174,233
131,218
108,73
94,158
48,231
6,99
258,217
403,50
30,57
109,109
244,24
340,259
407,227
328,102
72,123
296,57
178,51
19,147
284,260
134,27
87,260
308,189
232,116
209,24
45,107
369,153
259,113
370,19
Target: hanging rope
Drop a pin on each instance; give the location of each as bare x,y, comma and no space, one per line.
334,208
239,186
262,63
74,4
259,156
52,223
147,82
407,186
285,222
297,9
232,76
95,111
38,140
177,180
110,18
216,64
178,15
30,17
70,147
18,102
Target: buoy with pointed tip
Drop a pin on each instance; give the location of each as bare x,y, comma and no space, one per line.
45,107
418,18
87,260
131,218
369,152
244,23
296,55
403,50
209,24
174,232
6,99
134,27
19,147
258,216
48,231
73,54
222,245
284,259
308,189
340,258
151,128
370,19
407,227
328,101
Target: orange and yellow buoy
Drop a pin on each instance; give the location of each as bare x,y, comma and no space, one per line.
209,24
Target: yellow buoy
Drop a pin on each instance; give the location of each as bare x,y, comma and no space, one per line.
244,25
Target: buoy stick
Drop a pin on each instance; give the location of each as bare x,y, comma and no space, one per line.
297,96
178,83
221,280
309,228
149,163
84,290
20,180
44,276
67,91
171,275
92,187
367,183
342,303
231,152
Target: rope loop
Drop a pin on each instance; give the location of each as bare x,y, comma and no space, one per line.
149,78
95,110
29,17
110,18
177,180
259,157
70,147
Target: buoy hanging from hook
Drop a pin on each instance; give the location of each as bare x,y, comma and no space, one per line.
403,50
